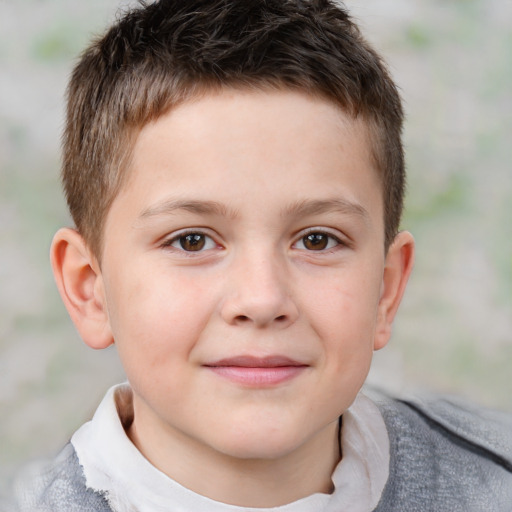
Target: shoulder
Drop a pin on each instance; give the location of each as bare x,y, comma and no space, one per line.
448,455
57,486
485,431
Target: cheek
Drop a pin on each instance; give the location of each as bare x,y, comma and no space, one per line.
344,314
345,306
157,317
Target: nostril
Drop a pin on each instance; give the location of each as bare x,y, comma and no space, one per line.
245,319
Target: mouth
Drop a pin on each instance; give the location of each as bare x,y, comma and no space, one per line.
253,371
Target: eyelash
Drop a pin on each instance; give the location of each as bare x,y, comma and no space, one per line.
180,237
330,237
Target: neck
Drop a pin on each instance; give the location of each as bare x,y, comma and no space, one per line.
248,482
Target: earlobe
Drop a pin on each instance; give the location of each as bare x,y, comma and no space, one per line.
397,269
80,283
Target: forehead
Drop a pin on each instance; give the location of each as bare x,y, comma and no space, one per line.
230,142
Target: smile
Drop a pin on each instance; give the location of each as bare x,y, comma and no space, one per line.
257,372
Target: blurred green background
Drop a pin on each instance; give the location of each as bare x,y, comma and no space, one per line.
453,62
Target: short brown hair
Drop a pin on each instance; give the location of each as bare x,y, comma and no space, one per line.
161,54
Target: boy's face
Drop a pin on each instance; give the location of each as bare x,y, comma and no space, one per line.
243,273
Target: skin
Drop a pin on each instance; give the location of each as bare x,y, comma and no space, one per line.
248,176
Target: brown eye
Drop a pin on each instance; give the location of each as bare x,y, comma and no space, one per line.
315,241
192,242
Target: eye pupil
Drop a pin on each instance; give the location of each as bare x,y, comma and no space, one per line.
192,242
315,241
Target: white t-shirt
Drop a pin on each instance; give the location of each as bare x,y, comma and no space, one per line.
114,466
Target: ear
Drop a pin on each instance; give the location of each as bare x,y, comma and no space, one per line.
80,283
397,269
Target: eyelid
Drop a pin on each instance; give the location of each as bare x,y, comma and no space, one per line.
168,240
341,240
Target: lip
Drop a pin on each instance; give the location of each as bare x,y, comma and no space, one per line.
257,371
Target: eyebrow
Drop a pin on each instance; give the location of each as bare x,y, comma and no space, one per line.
171,206
316,207
299,209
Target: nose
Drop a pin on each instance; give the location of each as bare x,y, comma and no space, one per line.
259,294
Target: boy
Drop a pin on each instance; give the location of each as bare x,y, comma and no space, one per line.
235,172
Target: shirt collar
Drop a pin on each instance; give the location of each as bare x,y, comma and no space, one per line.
113,465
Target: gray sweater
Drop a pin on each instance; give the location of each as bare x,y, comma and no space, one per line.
444,458
447,457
